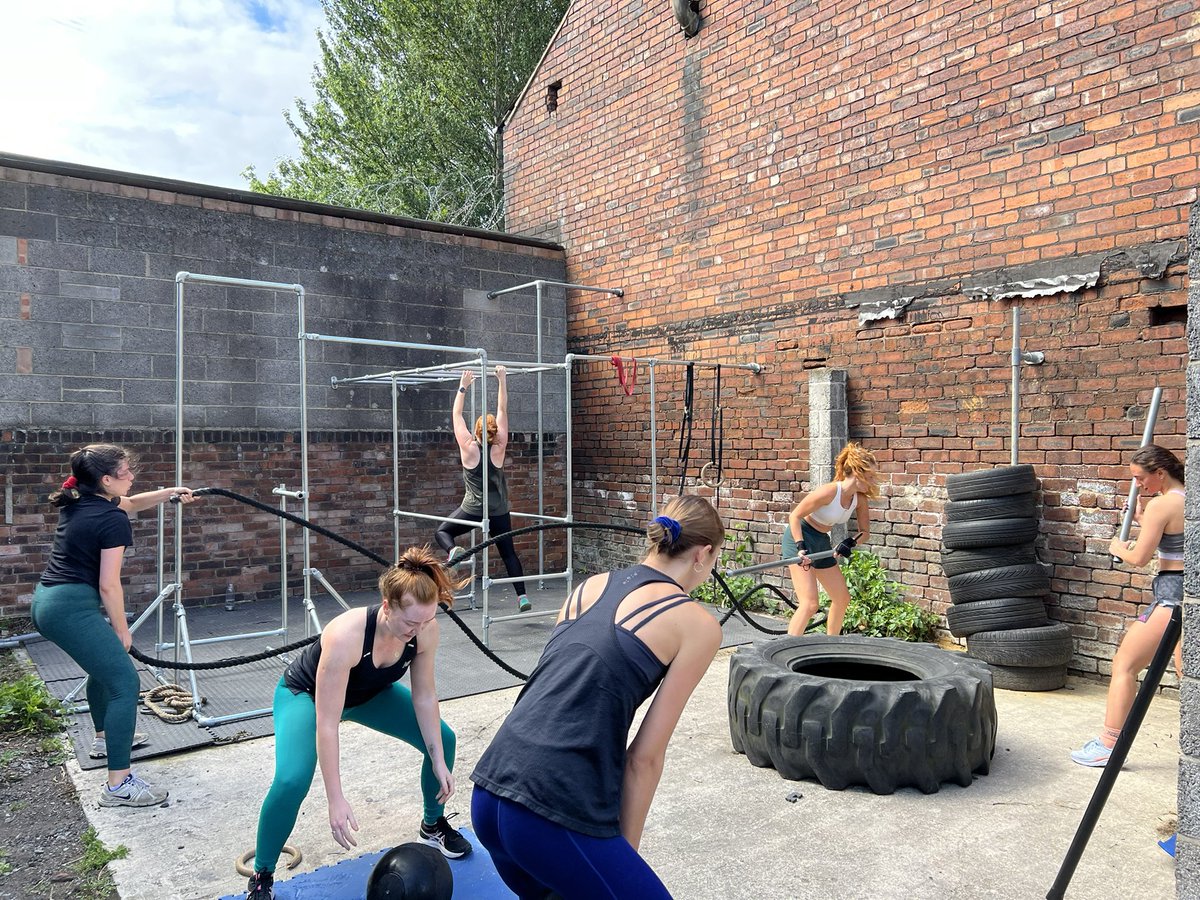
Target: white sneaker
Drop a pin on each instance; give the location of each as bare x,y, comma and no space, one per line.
100,745
133,791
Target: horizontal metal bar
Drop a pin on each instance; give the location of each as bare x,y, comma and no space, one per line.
283,492
545,576
415,515
161,647
229,281
213,721
754,368
371,342
616,292
540,614
524,515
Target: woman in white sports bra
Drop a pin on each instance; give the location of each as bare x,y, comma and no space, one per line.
1159,475
855,482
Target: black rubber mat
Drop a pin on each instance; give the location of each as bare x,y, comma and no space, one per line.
462,669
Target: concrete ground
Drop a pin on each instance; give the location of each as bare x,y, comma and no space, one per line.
719,827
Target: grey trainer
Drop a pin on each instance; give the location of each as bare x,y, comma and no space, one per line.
133,791
100,745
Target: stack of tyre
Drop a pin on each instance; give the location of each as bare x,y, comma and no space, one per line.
997,586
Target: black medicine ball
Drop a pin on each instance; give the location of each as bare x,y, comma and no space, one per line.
411,872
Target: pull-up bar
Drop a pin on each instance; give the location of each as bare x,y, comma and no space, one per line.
754,368
540,283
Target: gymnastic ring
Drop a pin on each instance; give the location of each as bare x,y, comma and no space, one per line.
242,863
714,483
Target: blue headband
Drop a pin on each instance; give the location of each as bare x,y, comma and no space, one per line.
673,527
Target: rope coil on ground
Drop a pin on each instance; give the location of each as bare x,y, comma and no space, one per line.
170,702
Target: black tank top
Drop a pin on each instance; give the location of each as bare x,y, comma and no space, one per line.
473,489
365,680
561,751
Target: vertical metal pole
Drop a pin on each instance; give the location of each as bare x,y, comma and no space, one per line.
541,453
486,452
1016,378
395,472
653,446
178,537
1147,437
307,553
283,566
161,563
1120,750
569,494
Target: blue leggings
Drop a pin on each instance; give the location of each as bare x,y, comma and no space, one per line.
389,712
538,858
71,616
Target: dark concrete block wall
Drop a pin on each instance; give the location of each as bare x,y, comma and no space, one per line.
87,309
88,261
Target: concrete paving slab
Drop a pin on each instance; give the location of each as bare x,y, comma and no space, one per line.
719,828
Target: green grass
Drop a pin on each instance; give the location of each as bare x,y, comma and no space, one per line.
95,855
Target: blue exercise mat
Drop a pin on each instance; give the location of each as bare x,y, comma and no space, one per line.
475,878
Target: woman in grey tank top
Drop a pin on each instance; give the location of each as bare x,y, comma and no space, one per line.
1159,476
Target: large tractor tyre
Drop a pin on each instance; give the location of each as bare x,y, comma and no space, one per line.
999,614
1013,507
1039,648
989,532
1029,580
959,562
1027,678
1001,481
856,710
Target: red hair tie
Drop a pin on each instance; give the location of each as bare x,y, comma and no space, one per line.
70,483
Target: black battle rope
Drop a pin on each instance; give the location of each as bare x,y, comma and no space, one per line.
685,426
345,542
229,662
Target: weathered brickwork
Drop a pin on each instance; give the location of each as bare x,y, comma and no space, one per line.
756,188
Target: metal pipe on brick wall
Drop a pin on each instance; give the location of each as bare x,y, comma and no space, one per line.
1016,379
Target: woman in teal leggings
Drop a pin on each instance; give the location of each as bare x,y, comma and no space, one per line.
82,584
352,674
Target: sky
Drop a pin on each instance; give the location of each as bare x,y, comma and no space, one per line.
187,89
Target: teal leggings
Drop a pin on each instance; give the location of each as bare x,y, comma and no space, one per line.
389,712
71,616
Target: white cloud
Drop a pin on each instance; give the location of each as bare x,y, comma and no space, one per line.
188,89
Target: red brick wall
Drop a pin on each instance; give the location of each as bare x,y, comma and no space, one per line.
350,476
749,187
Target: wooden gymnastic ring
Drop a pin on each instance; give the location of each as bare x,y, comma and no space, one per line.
242,863
716,482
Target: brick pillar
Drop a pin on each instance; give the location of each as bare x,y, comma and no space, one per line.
1187,848
828,428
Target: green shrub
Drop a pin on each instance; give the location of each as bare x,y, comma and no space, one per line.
877,606
26,707
737,553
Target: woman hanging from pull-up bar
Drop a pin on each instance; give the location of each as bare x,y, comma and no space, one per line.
470,452
856,480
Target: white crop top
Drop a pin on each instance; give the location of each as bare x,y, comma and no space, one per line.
834,513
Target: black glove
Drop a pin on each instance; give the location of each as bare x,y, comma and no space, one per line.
844,548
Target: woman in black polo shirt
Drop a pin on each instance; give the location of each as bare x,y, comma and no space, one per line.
82,584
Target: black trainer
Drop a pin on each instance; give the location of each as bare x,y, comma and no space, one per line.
261,887
451,844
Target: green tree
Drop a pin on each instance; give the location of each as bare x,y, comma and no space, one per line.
411,97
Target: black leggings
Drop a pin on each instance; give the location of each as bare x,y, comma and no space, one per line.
501,524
